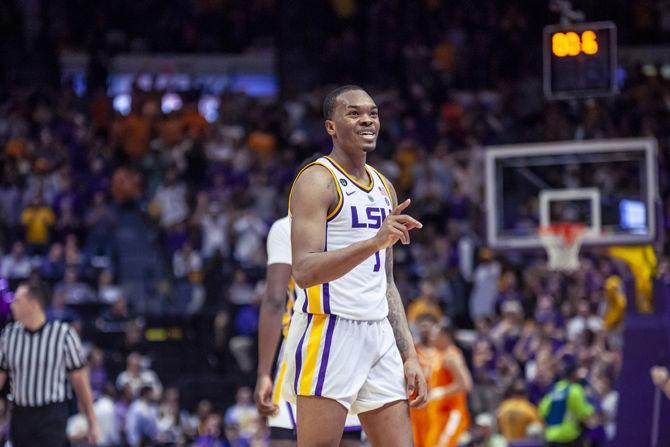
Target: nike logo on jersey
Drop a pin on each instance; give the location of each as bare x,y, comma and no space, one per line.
350,192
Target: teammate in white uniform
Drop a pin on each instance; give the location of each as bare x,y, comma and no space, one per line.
275,315
349,348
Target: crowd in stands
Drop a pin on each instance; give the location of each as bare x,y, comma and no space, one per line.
71,165
213,190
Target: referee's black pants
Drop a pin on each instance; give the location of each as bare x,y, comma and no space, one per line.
39,426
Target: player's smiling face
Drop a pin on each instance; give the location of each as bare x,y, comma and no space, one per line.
355,121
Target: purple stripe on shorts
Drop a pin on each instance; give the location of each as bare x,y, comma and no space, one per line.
298,354
326,298
304,303
290,415
324,357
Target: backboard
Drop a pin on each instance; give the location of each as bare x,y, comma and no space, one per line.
610,186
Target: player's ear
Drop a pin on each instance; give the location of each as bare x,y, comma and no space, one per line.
330,127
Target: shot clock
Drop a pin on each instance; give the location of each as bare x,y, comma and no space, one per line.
580,60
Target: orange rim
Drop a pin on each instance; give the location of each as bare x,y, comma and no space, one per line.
567,230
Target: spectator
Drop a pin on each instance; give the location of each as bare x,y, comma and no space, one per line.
53,266
243,414
137,377
249,231
115,318
582,321
609,402
170,418
16,265
187,269
214,227
565,409
187,264
483,433
99,220
169,202
241,293
108,292
121,407
484,360
485,286
105,411
142,419
211,434
97,371
203,411
10,202
58,310
516,414
73,290
508,331
426,303
73,255
37,220
133,132
68,222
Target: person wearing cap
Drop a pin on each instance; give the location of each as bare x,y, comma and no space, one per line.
565,409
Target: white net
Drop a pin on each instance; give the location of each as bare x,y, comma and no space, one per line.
562,250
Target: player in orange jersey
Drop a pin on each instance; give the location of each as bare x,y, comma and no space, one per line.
426,325
449,383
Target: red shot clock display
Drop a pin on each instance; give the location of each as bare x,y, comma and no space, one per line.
580,60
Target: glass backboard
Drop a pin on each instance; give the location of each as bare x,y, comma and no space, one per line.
608,185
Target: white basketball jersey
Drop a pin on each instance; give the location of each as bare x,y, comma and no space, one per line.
279,252
360,294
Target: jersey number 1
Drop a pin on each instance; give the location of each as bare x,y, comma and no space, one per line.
378,262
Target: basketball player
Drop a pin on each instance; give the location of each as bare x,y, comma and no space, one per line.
349,348
275,315
425,324
450,381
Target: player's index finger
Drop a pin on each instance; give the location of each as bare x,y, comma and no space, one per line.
407,219
398,209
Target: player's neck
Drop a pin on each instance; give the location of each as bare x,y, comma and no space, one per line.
354,164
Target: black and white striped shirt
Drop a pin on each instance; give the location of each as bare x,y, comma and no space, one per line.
38,362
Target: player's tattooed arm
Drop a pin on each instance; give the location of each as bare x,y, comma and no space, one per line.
417,389
396,316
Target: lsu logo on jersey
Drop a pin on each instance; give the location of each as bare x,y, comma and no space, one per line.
369,217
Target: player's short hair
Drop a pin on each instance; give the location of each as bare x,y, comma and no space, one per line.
331,99
36,291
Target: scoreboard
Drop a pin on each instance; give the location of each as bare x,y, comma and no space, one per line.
580,60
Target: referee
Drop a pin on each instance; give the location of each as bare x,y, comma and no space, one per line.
39,355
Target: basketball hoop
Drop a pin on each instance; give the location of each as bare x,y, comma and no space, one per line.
562,241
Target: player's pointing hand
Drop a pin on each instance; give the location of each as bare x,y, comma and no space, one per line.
396,227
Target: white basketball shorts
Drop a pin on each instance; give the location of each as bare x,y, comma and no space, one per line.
356,363
285,416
